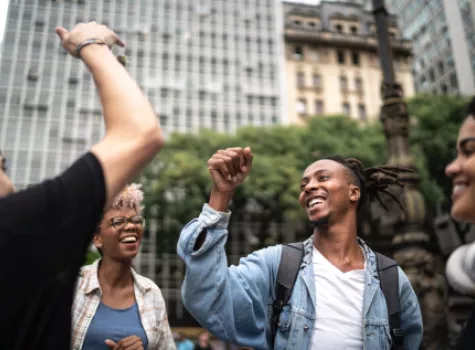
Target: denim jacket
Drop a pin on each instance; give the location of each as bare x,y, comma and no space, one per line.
235,303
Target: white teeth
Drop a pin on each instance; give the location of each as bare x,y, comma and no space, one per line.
458,189
315,201
129,239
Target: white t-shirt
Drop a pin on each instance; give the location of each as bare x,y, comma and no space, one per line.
339,309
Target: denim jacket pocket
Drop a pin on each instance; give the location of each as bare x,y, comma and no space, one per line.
285,319
377,334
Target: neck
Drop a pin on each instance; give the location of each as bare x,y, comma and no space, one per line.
337,242
115,274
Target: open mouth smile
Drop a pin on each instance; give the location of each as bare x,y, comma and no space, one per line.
131,239
314,201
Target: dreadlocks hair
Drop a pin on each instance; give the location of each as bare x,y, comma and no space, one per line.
471,108
372,181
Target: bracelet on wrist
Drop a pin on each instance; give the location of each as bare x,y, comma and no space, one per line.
87,42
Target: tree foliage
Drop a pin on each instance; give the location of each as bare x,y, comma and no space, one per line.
433,139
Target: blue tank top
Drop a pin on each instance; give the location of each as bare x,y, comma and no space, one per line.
113,324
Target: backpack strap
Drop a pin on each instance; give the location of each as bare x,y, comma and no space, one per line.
389,281
290,261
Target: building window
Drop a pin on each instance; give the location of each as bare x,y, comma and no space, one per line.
431,75
453,81
317,80
318,107
343,83
362,112
346,109
358,84
440,67
301,107
354,30
341,56
339,28
355,58
298,53
300,79
444,89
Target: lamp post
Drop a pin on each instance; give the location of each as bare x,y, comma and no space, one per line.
404,231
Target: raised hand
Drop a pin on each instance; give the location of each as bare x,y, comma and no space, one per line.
85,31
229,168
130,343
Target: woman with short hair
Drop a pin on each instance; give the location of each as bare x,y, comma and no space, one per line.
114,307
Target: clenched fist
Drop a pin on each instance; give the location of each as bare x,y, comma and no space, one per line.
86,31
229,168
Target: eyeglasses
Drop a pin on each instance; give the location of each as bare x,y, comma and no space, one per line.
120,222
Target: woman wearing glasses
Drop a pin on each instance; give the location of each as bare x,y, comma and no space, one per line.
114,308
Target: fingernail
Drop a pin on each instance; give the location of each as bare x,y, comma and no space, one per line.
229,177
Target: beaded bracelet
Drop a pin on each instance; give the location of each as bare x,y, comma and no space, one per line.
88,42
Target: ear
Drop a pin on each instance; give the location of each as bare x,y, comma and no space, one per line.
355,193
97,241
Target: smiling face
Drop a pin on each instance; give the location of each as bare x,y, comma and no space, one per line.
462,172
120,234
327,191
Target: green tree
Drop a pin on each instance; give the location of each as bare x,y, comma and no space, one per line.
436,120
91,256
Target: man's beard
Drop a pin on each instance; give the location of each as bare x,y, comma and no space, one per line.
323,221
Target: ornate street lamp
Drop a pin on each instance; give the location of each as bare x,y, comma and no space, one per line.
404,232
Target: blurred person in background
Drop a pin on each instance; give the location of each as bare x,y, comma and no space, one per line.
460,268
183,343
45,231
203,342
114,307
336,302
6,186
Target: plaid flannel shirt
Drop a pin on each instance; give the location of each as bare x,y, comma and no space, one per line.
151,305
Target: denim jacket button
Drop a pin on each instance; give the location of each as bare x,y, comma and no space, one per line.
305,328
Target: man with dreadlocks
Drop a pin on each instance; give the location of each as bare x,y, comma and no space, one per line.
336,301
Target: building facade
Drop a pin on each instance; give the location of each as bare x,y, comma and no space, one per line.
332,65
203,64
443,36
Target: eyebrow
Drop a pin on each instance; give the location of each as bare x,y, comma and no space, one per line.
306,178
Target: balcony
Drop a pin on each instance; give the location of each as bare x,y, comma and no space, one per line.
299,34
310,87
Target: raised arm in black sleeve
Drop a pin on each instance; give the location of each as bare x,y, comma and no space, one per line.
44,235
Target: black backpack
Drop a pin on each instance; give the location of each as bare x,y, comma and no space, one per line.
289,267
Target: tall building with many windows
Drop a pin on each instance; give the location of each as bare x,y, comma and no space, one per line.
207,63
332,64
443,35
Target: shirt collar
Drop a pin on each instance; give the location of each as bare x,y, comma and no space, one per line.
91,281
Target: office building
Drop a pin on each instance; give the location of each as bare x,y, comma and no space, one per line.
443,36
332,64
203,64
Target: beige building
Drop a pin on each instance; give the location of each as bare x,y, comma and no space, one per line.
332,65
